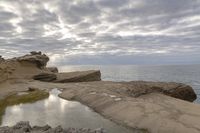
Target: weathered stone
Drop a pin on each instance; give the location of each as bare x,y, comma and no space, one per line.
24,127
176,90
24,67
84,76
139,104
46,77
35,58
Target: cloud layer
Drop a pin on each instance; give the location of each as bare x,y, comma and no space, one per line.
102,31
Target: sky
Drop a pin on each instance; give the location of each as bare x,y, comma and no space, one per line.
102,31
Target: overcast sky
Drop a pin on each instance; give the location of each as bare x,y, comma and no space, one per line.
102,31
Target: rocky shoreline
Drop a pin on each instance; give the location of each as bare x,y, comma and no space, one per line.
25,127
158,107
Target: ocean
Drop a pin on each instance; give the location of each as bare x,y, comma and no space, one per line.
188,74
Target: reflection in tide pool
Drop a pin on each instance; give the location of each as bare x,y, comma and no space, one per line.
55,111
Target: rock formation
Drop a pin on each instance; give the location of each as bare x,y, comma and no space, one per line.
176,90
24,127
35,58
159,107
33,66
143,108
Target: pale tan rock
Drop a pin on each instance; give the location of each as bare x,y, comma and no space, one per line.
153,111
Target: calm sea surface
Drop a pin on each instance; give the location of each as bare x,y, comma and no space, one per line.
188,74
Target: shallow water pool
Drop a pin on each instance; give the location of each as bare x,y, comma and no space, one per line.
55,111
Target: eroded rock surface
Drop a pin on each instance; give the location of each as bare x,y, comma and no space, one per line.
35,58
24,127
151,110
176,90
23,67
33,66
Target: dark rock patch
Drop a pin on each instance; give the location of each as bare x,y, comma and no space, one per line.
24,127
176,90
46,77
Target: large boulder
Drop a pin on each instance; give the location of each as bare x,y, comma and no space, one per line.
83,76
177,90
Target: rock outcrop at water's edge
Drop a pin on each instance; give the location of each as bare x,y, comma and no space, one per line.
176,90
159,107
24,127
33,66
35,58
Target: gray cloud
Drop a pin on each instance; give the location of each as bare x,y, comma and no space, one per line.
102,31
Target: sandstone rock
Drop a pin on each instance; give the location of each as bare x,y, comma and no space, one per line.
24,67
33,66
176,90
46,77
139,104
36,58
53,69
84,76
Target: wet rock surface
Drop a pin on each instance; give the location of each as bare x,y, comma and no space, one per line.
24,127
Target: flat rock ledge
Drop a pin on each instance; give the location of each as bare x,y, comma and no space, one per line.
24,127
